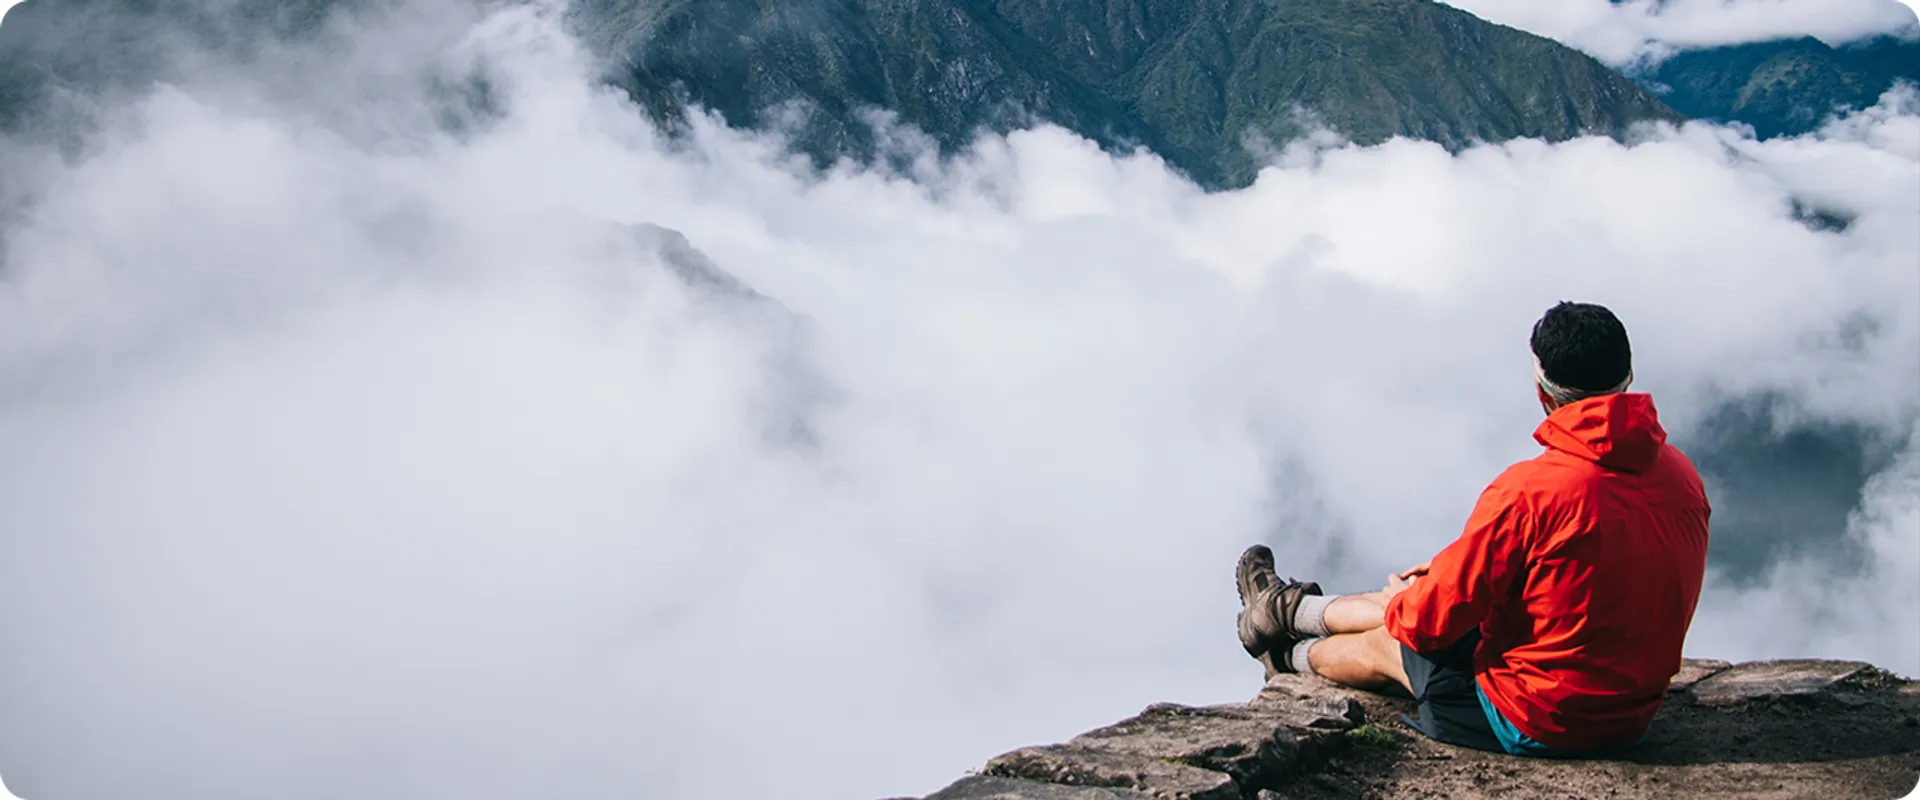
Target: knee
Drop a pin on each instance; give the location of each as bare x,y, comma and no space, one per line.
1382,643
1386,656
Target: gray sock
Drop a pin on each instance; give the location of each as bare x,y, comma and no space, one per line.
1297,657
1310,619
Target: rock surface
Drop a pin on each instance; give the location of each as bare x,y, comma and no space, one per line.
1693,671
1156,776
1771,729
1776,679
984,787
1194,753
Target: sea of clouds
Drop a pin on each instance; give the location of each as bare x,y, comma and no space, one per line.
1629,31
347,449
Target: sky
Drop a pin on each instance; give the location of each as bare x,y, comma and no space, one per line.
346,452
1623,31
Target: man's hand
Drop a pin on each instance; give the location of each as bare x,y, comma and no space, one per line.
1417,571
1396,584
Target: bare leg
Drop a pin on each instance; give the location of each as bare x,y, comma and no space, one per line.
1367,660
1356,613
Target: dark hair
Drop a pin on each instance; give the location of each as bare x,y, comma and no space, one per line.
1583,346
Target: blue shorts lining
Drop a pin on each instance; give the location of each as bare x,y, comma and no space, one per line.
1520,744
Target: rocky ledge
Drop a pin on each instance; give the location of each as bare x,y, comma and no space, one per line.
1769,729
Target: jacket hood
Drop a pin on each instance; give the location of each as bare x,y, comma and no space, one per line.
1617,431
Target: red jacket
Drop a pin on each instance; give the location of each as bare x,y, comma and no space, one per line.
1581,569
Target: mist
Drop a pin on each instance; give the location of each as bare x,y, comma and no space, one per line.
1622,32
359,437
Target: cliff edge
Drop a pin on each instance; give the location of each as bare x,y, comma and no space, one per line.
1768,729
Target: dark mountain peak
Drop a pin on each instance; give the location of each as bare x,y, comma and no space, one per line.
1191,80
1786,86
1194,80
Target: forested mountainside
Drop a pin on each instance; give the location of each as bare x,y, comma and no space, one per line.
1783,87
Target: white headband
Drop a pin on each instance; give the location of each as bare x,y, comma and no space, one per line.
1564,394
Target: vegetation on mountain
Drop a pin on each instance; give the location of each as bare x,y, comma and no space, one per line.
1783,87
1210,85
1204,84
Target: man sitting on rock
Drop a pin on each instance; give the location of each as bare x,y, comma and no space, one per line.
1553,625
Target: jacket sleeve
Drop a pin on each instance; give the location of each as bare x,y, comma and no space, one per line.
1466,579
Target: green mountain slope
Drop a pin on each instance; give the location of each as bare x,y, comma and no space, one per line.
1193,80
930,61
1785,87
87,48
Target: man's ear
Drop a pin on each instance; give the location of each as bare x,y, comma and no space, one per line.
1546,400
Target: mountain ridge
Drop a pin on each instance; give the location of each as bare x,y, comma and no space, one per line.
1194,82
1209,86
1783,87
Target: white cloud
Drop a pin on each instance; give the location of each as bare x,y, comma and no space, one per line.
341,456
1622,32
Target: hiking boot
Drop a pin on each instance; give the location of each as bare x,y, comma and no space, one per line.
1267,605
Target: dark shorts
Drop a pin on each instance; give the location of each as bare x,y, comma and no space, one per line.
1443,689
